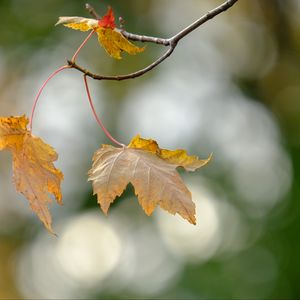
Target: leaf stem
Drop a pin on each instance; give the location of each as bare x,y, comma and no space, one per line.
40,92
96,116
82,44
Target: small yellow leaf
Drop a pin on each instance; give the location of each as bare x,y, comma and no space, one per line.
114,42
109,36
152,172
78,23
33,171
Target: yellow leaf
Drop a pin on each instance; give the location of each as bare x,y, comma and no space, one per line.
152,172
78,23
114,42
33,171
178,157
109,36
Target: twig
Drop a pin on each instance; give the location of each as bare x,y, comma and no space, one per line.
211,14
145,38
122,23
92,11
171,42
139,73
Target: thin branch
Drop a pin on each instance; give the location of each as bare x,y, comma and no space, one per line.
145,38
171,42
92,11
122,23
139,73
166,42
211,14
96,116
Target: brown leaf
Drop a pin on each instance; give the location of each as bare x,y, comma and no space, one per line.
33,171
152,172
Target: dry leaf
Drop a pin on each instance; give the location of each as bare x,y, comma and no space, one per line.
151,171
114,43
109,36
78,23
33,171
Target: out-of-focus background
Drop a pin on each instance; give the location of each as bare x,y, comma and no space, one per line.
232,87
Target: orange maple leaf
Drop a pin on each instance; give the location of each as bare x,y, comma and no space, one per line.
33,171
108,21
151,171
109,36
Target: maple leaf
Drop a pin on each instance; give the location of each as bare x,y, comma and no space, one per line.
151,171
108,21
33,171
109,36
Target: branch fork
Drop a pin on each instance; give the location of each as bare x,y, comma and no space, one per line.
168,42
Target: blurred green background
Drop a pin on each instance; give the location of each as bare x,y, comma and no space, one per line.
232,87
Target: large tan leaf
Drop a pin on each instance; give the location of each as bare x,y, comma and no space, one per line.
33,171
152,172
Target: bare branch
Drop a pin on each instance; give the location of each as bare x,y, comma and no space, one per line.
122,23
166,42
145,38
92,11
211,14
171,42
139,73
